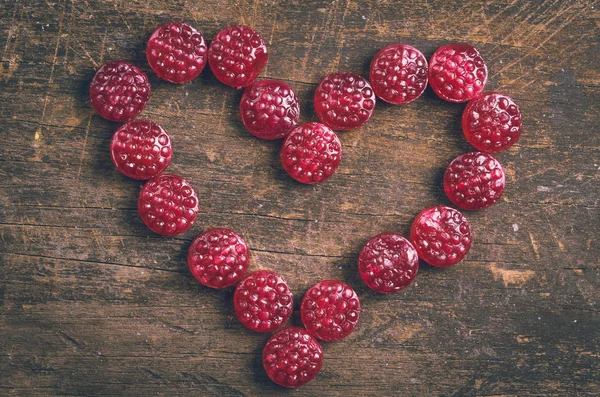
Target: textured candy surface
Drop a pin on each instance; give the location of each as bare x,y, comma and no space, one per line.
263,301
176,52
292,357
492,122
119,91
344,101
218,258
168,204
398,73
269,109
388,263
441,235
141,149
330,310
237,55
311,153
474,181
457,72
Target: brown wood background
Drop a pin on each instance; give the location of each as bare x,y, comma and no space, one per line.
93,303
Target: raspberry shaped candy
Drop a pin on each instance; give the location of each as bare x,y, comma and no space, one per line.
311,153
218,258
492,122
269,109
237,56
441,235
330,310
474,181
398,74
141,149
263,301
388,263
344,101
176,52
119,91
292,357
457,72
168,204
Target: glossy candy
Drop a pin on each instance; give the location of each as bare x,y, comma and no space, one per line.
119,91
176,52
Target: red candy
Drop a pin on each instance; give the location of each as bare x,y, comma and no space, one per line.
269,109
492,122
311,153
441,235
344,101
457,72
119,91
474,181
141,149
388,263
263,301
176,52
330,310
168,204
292,357
398,74
237,56
218,258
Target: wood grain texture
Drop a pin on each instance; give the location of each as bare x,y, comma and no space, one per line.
93,303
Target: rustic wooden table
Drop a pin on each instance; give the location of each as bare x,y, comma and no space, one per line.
93,303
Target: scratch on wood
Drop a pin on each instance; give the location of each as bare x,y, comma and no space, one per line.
515,277
534,245
87,130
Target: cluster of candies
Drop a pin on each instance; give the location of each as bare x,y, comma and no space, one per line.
311,153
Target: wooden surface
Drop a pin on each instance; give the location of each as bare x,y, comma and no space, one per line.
93,303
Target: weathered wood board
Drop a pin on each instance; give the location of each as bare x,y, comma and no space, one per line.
93,303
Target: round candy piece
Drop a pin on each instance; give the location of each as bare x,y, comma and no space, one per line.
176,52
292,357
263,301
330,310
398,74
441,235
457,72
168,204
269,109
492,122
237,55
388,263
119,91
141,149
311,153
218,258
474,181
344,101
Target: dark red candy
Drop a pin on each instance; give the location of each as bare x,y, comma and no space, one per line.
119,91
168,204
176,52
141,149
237,55
330,310
311,153
492,122
269,109
218,258
457,72
398,74
474,181
388,263
292,357
263,301
441,235
344,101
